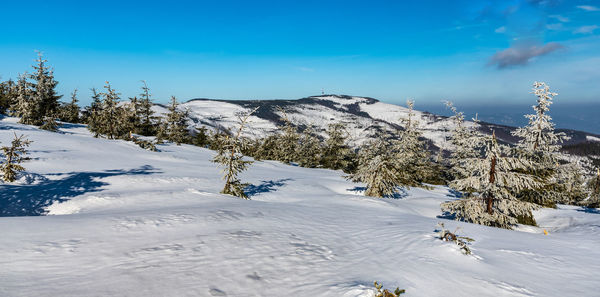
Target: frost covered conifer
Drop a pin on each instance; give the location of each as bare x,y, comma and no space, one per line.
175,123
7,95
134,114
540,144
21,107
336,152
146,125
493,178
161,132
309,150
465,142
230,157
594,190
70,112
377,168
93,113
287,142
411,152
110,113
14,155
49,123
200,137
266,148
43,100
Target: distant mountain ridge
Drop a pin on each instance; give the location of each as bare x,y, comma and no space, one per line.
362,116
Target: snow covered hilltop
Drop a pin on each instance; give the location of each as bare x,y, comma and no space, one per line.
363,117
125,221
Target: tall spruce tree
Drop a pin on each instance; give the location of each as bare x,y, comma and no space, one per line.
494,177
309,150
540,144
411,152
110,114
70,112
336,152
594,190
44,99
14,155
377,168
7,95
147,118
22,105
230,157
463,140
287,142
175,123
94,113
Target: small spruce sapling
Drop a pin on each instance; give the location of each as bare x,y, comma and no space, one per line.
386,292
230,157
14,155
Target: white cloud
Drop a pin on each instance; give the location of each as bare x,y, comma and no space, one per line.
500,30
560,18
588,8
555,27
586,29
305,69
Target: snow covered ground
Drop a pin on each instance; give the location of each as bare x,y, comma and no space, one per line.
130,222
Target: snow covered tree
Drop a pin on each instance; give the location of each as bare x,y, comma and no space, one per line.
14,155
493,177
465,141
540,144
49,123
200,138
377,168
287,142
161,132
309,150
93,113
411,152
70,111
266,148
594,190
109,116
230,157
7,95
336,152
134,114
21,107
146,125
43,99
569,183
175,124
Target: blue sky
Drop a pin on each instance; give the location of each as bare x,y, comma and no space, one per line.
475,52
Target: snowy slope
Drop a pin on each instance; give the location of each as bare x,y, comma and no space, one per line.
140,223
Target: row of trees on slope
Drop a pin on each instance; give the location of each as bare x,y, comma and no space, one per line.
501,184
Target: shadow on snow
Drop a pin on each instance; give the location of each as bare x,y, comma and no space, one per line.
399,194
30,200
265,187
